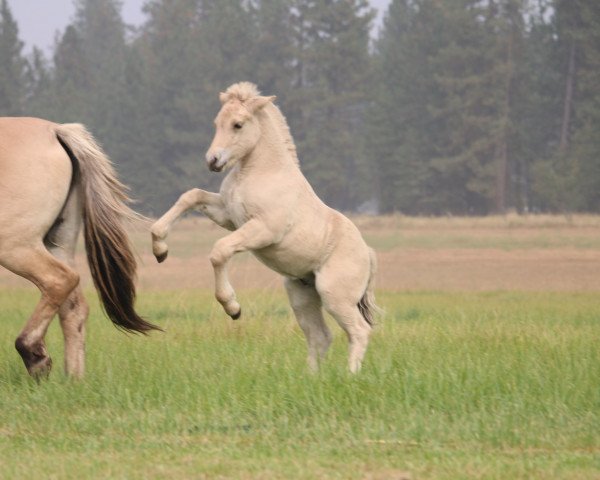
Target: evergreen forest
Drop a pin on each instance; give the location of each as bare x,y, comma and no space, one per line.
451,107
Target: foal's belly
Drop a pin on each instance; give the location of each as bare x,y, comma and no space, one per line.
291,263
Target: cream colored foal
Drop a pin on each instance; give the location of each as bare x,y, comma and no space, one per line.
272,211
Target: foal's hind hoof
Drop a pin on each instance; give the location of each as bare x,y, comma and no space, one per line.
161,257
237,315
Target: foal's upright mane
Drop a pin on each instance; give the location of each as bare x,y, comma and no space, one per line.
245,91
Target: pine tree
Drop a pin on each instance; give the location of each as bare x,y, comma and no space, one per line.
272,49
102,34
510,32
401,134
88,83
190,51
163,50
582,86
476,75
535,107
443,120
71,79
539,114
567,178
39,100
13,74
332,64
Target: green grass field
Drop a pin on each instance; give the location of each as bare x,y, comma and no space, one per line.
455,385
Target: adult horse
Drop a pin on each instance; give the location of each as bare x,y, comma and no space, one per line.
274,213
54,178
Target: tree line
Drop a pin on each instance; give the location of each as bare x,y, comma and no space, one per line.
455,107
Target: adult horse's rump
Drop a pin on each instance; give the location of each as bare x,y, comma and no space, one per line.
53,178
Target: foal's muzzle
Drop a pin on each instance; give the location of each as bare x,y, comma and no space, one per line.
216,160
213,165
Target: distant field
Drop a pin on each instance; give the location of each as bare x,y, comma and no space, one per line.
536,253
485,365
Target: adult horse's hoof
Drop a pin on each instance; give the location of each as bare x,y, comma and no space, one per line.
40,370
35,357
237,315
161,257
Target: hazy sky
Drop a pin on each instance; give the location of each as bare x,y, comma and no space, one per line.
39,20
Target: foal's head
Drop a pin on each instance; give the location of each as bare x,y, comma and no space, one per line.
237,125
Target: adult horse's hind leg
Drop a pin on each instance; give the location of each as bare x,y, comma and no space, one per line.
306,303
73,314
55,281
74,311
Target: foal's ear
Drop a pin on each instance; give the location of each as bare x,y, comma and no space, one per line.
256,103
223,97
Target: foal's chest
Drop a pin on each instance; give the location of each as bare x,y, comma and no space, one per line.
235,203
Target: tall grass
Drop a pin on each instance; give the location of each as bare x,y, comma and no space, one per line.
496,385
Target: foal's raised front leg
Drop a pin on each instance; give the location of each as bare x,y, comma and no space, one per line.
253,235
207,202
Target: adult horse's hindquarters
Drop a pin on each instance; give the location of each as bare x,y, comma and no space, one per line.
54,178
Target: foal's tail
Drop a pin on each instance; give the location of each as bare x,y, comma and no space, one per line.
367,305
110,256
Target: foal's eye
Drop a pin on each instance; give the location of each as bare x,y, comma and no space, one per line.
237,126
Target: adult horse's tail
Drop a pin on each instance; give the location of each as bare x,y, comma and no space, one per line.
104,198
367,305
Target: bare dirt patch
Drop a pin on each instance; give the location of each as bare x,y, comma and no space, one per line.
490,269
417,254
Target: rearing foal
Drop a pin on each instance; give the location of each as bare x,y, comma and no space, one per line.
273,212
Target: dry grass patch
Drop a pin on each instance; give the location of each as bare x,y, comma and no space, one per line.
528,253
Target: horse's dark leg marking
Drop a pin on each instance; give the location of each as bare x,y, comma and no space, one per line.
55,281
35,357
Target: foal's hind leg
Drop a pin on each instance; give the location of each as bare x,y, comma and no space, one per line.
341,289
55,281
306,303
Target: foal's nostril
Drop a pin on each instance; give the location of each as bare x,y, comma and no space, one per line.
212,163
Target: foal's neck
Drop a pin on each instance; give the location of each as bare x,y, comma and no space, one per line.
271,153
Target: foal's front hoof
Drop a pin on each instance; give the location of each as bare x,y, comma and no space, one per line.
161,257
160,250
237,315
